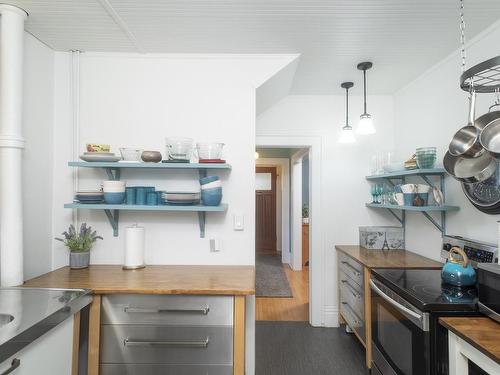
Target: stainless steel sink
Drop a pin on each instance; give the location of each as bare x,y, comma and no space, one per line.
5,319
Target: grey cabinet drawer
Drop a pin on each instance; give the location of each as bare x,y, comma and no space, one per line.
152,369
351,268
138,344
350,292
353,320
167,310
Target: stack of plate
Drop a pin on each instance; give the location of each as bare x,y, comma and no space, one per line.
182,198
100,157
89,197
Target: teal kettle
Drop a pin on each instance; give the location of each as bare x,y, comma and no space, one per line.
456,271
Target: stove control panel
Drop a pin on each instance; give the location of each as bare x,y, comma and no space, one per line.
478,252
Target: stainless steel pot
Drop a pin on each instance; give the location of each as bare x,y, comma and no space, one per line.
470,170
465,142
490,134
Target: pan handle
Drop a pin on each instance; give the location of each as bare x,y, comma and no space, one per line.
472,107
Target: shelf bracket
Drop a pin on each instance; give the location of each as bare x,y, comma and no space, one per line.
113,173
113,218
440,227
201,220
400,219
389,180
426,179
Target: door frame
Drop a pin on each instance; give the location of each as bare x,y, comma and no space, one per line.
318,256
273,170
284,164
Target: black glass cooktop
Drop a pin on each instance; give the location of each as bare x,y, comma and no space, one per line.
424,289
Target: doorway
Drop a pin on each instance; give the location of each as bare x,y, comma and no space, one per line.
282,275
265,210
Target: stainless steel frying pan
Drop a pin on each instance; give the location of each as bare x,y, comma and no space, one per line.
470,170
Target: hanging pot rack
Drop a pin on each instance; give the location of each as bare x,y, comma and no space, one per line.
483,77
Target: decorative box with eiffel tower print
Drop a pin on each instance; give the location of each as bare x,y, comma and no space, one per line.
381,238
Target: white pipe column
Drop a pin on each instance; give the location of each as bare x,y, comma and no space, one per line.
11,144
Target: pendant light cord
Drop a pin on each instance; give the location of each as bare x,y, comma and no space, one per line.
364,89
347,107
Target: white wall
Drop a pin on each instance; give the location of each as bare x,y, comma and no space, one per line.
133,100
428,112
344,190
38,119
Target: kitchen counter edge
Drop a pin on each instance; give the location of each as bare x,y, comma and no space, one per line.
388,258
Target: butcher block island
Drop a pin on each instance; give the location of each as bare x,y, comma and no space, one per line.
162,319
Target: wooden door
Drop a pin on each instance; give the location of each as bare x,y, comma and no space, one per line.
265,209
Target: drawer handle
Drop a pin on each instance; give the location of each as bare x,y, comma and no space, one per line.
203,311
351,288
172,344
354,270
15,364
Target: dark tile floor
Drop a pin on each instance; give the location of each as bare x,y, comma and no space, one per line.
296,348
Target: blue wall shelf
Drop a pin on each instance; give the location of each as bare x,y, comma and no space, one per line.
427,175
113,170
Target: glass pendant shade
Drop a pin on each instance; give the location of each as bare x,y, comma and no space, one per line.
347,135
365,125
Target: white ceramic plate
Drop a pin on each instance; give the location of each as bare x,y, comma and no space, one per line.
100,158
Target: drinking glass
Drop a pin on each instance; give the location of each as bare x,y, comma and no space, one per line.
373,192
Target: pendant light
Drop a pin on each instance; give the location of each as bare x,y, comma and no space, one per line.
365,120
347,135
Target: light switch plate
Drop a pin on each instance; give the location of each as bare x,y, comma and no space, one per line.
239,222
215,245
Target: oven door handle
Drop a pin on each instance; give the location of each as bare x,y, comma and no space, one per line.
395,303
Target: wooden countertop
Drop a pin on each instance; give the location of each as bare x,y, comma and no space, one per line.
481,332
387,258
111,279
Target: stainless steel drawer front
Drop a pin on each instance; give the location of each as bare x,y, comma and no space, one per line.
166,344
355,322
349,294
352,268
167,310
154,369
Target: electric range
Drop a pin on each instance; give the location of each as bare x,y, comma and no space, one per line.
407,338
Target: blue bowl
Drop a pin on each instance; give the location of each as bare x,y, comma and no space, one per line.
208,179
408,198
211,197
114,198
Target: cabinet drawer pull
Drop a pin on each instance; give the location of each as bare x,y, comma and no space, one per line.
354,270
15,364
171,344
202,311
351,288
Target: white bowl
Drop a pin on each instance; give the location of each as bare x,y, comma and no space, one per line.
394,167
211,185
131,154
408,188
113,183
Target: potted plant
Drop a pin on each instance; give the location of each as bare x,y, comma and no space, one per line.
305,214
79,245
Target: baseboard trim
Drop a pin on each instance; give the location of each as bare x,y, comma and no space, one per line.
331,315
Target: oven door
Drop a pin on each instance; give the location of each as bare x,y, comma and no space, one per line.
400,334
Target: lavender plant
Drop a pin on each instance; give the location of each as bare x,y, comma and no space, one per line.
81,241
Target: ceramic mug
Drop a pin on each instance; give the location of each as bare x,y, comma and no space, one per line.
399,198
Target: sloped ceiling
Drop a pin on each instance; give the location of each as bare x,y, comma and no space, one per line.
402,37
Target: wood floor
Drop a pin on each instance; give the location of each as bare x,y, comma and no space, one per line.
287,309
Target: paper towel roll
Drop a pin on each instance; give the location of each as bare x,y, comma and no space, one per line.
134,247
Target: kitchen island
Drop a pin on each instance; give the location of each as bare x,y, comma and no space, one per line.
475,339
354,265
188,315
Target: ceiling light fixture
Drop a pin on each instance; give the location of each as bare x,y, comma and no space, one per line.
365,120
347,135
